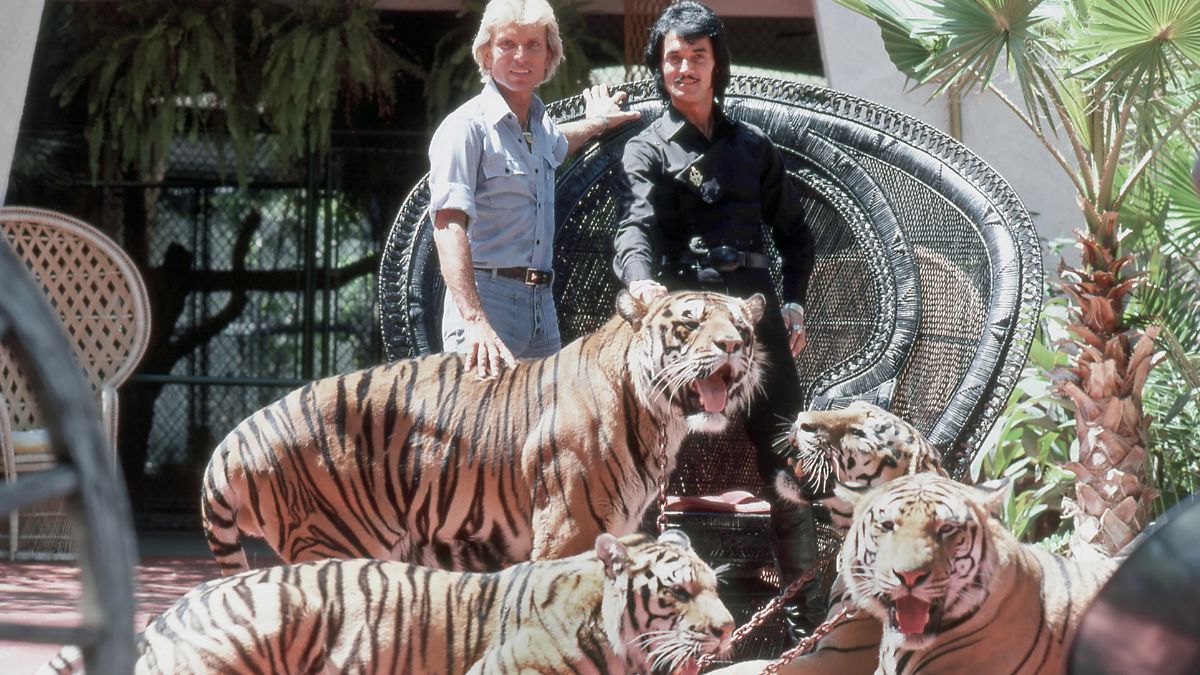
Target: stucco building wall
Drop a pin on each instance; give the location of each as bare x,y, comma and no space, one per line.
21,18
856,63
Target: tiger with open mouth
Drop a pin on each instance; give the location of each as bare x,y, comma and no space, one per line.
861,444
421,461
955,591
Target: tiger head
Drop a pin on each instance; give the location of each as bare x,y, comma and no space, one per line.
660,608
694,355
861,443
921,553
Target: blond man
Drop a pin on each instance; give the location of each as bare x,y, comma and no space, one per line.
491,181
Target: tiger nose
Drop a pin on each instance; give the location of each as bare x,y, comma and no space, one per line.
729,345
912,577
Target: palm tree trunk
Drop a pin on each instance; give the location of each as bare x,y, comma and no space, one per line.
1113,495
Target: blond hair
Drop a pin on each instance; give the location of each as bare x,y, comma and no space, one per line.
501,13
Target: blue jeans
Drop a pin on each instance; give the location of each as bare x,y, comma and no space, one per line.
523,316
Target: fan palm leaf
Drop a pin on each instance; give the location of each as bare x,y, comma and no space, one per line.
1143,48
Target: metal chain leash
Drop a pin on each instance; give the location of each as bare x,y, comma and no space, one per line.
662,482
809,643
804,646
775,604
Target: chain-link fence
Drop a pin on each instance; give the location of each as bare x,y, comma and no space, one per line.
255,289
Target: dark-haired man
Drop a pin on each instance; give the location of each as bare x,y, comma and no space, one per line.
700,190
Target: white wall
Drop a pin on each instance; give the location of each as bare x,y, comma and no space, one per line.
856,63
17,38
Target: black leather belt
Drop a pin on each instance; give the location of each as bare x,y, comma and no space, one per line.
528,275
722,259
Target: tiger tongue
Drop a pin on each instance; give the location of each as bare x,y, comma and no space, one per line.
912,614
712,392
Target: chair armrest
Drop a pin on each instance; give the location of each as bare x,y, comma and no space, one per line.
108,416
8,462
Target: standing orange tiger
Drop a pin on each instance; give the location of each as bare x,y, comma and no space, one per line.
419,461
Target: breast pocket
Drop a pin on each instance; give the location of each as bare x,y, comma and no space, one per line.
506,183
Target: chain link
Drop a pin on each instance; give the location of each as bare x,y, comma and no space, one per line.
662,482
803,646
777,602
809,643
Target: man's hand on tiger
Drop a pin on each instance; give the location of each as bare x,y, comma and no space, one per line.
646,290
486,352
793,319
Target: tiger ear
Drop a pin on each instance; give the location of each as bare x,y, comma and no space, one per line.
615,599
631,309
676,537
992,494
755,305
851,492
613,554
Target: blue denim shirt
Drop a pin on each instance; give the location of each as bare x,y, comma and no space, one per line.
479,163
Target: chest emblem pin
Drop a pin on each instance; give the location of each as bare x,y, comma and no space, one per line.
695,177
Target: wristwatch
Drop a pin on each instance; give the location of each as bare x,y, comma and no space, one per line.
795,307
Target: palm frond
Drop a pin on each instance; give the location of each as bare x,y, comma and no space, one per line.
982,34
1143,48
908,51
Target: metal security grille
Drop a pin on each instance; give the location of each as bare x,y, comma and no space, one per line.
300,245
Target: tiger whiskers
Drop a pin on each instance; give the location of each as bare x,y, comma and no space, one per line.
672,378
782,442
677,374
818,470
720,570
669,649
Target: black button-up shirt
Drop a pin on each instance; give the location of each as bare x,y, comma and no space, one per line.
677,185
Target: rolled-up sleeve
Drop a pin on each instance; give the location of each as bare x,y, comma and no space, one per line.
560,145
454,156
636,238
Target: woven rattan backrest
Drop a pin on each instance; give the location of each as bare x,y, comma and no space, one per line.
925,295
96,290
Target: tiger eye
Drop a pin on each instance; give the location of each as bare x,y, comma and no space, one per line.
686,328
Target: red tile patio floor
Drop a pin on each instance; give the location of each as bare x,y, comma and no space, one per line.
47,593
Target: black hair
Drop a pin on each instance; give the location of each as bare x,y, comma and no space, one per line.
690,20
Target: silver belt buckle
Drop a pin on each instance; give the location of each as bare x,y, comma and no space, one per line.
725,258
534,277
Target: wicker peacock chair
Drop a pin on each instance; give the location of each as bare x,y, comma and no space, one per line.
924,299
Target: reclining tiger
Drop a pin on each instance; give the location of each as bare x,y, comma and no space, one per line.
421,461
929,561
629,605
861,444
929,558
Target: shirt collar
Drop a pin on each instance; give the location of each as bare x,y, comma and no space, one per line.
675,121
495,108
